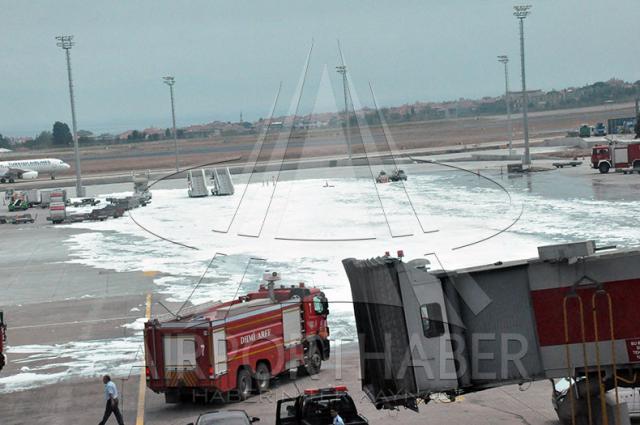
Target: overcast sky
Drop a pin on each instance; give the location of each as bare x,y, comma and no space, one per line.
229,56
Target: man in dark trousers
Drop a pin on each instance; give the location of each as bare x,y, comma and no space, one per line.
111,396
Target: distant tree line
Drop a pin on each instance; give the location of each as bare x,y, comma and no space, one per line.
589,95
4,142
59,136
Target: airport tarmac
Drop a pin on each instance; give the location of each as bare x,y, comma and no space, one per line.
51,302
82,402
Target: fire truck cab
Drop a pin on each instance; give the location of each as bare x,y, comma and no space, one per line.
3,339
615,155
227,350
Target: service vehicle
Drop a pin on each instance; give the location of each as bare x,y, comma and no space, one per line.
83,202
314,407
3,340
141,188
46,195
22,218
398,175
128,202
113,210
382,177
105,212
600,130
566,164
19,205
99,214
630,396
33,197
585,130
617,154
225,417
57,212
227,350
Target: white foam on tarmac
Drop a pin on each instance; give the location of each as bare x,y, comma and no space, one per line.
48,364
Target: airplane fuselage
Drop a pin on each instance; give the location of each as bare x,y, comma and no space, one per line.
23,167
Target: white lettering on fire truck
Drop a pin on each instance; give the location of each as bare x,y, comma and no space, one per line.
252,337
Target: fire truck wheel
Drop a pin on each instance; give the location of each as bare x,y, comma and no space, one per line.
604,167
313,361
262,377
3,360
243,386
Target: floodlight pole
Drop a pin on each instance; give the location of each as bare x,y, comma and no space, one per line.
507,98
170,81
521,12
66,43
342,69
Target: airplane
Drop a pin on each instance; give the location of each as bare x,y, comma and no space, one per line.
28,169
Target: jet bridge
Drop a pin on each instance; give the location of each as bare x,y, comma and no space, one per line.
572,312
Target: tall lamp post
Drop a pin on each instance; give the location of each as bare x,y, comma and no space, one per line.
66,43
342,69
507,98
521,12
170,81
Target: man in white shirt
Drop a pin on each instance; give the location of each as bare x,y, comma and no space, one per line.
111,396
337,420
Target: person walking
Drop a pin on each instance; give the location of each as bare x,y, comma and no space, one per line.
337,420
111,396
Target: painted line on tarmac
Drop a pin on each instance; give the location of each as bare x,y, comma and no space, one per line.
143,376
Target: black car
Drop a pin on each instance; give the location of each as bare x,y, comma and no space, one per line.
315,405
225,417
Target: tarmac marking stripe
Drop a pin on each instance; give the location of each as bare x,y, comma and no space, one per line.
143,376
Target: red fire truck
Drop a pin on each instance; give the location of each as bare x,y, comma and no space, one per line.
616,155
3,339
227,350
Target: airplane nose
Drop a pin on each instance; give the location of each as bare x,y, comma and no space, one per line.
66,166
